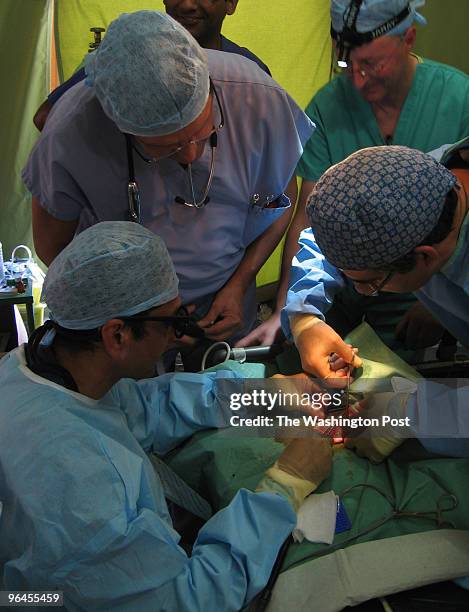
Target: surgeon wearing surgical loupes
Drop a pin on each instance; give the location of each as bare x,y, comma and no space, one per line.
201,145
88,516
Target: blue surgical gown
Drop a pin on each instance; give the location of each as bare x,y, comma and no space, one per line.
84,512
313,284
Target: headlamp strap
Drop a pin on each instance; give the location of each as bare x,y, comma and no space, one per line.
353,38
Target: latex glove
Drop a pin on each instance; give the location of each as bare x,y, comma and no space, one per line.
418,328
316,341
267,333
225,316
377,447
299,470
300,384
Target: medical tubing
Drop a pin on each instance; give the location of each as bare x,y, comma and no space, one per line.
224,345
260,603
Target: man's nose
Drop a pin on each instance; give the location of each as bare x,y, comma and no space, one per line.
359,79
190,153
188,5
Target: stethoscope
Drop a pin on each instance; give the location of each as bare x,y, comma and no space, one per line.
133,191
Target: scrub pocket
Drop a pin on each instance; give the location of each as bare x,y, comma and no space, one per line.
259,218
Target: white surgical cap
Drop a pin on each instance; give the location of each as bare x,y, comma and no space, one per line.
114,268
149,74
374,13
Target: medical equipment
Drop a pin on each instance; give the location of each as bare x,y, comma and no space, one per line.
222,352
2,271
349,37
445,503
97,38
133,191
182,323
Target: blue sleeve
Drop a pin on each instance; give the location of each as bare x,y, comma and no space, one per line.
162,412
100,530
439,417
313,282
142,567
59,91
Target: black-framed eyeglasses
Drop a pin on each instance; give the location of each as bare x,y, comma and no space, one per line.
133,191
373,288
182,322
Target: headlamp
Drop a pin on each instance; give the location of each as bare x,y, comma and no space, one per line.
349,37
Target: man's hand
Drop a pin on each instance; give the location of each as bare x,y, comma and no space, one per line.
376,447
299,470
307,458
418,328
225,316
299,383
316,342
267,333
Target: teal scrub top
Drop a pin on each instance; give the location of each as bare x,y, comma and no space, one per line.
435,112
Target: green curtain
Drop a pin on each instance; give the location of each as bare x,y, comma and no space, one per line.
445,38
24,44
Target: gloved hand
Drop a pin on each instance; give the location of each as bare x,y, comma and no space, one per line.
316,341
299,470
377,447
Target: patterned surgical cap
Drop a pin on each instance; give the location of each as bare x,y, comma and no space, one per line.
114,268
377,205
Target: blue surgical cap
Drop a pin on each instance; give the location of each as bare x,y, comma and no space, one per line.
114,268
373,13
149,74
377,205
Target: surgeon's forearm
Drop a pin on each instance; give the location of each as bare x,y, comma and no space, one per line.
259,251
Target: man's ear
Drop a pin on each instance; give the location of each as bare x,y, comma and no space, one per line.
427,256
410,36
231,6
115,337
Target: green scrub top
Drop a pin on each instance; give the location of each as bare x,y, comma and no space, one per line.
436,112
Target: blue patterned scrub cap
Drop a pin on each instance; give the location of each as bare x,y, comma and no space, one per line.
114,268
377,205
149,74
373,13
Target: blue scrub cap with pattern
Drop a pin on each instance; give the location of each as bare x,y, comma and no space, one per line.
149,74
377,205
374,13
114,268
